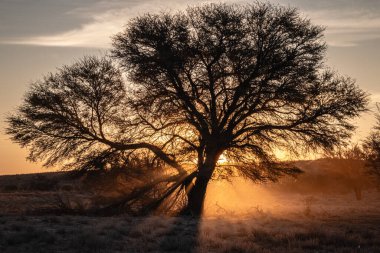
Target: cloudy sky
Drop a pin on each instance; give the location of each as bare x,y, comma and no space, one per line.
38,36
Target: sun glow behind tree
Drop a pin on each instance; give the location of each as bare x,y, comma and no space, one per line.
216,81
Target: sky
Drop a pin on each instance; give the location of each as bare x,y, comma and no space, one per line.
39,36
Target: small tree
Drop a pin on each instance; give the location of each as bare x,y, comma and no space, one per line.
216,79
372,149
349,164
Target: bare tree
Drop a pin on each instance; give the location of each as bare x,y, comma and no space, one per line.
350,164
215,79
372,149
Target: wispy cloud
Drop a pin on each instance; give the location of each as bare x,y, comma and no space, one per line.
106,20
375,98
95,34
348,28
346,25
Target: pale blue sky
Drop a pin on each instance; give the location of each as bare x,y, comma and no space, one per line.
40,35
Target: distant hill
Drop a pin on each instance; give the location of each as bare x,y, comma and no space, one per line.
328,176
57,192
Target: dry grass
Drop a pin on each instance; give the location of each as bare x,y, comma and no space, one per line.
239,218
171,234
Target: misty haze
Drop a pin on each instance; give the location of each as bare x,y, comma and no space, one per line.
190,126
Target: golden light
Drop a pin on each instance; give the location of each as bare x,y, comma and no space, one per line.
282,155
222,159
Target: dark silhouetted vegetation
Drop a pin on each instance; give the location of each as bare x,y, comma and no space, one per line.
237,80
372,149
162,234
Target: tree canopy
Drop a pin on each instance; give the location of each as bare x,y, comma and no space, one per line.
237,80
372,148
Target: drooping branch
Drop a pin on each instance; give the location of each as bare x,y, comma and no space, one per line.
78,113
156,150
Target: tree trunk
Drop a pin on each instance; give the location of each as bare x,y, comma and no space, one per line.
197,194
196,197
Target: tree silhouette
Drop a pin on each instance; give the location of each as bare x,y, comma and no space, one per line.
372,149
70,113
349,163
216,79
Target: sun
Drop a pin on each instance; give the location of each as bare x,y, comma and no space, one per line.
222,159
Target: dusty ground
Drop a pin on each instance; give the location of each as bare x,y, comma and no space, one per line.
304,223
239,217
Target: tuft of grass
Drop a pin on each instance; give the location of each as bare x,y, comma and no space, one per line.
135,233
29,235
61,231
178,244
88,242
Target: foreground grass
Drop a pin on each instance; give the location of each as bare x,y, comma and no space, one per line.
170,234
238,218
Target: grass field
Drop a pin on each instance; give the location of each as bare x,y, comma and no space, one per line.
239,217
172,234
301,224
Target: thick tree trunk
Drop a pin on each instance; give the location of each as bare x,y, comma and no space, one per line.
196,197
197,193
